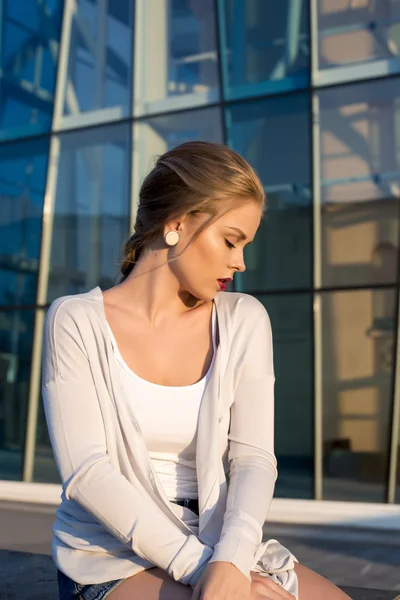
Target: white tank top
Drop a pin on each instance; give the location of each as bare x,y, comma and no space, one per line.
168,419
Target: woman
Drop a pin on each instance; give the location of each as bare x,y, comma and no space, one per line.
158,392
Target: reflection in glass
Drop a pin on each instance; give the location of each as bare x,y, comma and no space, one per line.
99,78
357,32
266,46
156,135
357,358
23,168
291,321
28,64
360,171
273,135
91,220
45,469
177,64
16,329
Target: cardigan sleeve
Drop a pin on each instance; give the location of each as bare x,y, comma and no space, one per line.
78,439
251,455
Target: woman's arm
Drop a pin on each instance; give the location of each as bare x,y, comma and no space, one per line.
78,440
251,444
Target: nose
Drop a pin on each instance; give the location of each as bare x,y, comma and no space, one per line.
238,263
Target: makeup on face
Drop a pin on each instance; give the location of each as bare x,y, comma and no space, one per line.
223,283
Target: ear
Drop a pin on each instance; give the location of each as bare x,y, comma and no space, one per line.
176,225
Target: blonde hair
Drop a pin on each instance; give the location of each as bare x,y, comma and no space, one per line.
193,178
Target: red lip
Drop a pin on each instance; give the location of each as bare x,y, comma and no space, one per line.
222,282
222,285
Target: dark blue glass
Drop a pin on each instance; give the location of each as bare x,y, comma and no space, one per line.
292,330
159,134
45,469
100,57
265,46
274,136
16,332
23,169
28,66
178,58
92,207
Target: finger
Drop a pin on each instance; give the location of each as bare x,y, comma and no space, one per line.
266,594
283,594
259,590
269,594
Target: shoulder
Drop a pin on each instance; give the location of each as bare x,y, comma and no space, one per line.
244,311
243,305
70,313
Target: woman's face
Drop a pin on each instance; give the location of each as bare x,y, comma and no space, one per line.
217,253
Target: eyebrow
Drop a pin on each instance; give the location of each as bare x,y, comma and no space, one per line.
240,233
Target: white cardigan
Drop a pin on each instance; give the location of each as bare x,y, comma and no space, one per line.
114,519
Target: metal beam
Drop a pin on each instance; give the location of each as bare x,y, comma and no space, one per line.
45,250
317,247
395,438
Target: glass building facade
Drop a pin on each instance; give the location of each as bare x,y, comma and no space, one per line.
309,92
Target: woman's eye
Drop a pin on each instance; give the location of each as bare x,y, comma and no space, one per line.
228,243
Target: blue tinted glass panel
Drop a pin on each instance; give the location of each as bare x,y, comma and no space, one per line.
183,71
23,169
359,175
92,201
156,135
292,330
28,66
265,46
99,62
357,371
351,33
45,469
16,330
273,135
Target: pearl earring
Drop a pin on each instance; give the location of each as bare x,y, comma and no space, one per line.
171,238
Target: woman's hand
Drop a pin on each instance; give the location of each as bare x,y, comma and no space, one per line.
263,588
222,581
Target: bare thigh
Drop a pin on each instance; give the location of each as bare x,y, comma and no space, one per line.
311,587
314,587
152,584
156,584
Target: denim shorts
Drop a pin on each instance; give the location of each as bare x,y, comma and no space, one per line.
70,590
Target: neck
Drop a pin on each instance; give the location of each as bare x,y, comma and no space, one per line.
153,290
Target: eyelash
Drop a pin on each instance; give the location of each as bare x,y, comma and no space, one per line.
228,243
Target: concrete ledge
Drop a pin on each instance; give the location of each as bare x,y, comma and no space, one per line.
362,515
25,576
36,493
